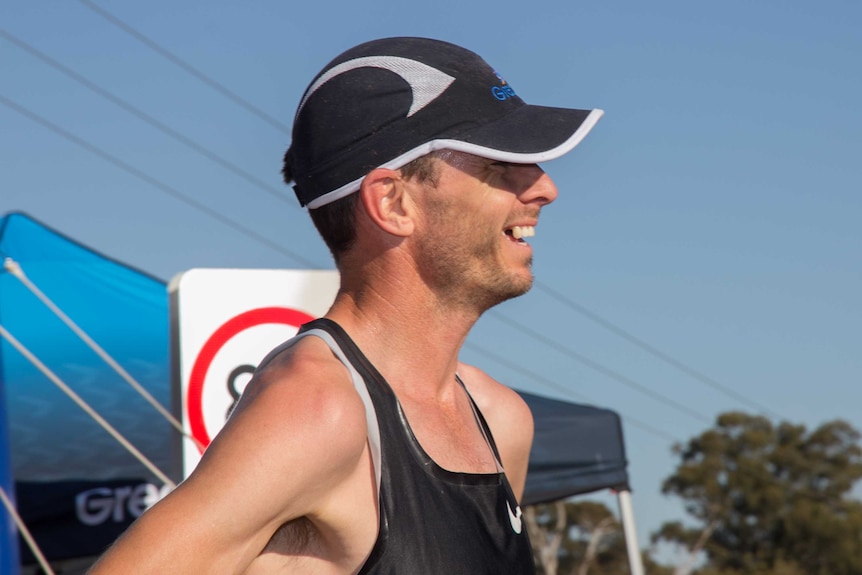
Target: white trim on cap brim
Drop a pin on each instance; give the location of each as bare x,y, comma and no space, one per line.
468,148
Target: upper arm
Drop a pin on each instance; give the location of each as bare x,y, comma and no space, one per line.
509,418
265,467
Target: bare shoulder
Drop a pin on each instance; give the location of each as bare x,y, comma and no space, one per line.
295,443
305,387
304,380
496,400
509,418
299,406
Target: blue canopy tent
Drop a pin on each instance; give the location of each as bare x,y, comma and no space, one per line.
57,451
76,487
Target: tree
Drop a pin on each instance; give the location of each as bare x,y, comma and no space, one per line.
769,499
568,536
580,538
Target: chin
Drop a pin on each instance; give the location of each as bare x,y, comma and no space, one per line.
524,286
517,285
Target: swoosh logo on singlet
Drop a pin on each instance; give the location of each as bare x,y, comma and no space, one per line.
514,519
425,82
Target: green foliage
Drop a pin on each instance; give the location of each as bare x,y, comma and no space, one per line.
770,499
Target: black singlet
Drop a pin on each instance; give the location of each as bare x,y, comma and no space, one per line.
432,521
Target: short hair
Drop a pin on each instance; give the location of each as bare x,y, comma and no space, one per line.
336,221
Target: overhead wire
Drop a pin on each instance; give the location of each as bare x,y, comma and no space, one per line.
257,237
522,328
222,219
143,116
695,374
626,418
173,192
176,60
652,350
632,339
565,390
604,370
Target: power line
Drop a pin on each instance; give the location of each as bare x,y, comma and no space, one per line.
697,375
148,119
631,420
174,193
257,237
278,193
638,342
602,369
567,391
230,223
176,60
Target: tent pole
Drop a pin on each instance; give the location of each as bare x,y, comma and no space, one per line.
25,535
10,561
14,268
636,566
4,334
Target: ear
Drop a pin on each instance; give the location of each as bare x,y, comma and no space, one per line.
387,201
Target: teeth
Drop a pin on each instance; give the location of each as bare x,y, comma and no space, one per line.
519,232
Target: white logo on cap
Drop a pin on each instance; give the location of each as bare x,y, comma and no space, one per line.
426,83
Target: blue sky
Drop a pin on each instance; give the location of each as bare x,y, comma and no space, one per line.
714,212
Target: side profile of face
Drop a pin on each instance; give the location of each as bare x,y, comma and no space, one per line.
472,244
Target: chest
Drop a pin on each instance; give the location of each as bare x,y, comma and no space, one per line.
451,436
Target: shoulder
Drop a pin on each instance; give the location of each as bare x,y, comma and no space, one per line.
302,397
299,427
509,418
506,412
295,442
297,434
306,375
299,406
495,400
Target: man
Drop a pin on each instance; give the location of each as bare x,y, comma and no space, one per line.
363,445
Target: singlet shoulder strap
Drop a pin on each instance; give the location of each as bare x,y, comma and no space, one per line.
483,425
358,383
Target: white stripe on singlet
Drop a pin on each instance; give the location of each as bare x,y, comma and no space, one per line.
358,384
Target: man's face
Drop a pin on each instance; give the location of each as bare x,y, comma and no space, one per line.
472,247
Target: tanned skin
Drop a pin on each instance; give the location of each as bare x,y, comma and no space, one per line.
288,485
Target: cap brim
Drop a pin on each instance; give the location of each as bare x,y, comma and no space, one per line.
528,135
531,134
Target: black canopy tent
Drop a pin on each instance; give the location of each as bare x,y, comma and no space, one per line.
577,449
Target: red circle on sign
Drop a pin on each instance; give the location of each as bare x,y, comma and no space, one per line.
245,320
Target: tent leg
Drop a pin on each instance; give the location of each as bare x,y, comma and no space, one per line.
636,565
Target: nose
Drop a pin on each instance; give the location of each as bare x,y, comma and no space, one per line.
537,187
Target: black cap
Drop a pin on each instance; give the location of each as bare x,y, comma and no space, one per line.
387,102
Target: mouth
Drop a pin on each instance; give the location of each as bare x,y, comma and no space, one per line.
518,233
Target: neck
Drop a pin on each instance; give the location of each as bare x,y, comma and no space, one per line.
404,329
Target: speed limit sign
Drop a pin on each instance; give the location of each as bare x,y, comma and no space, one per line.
223,323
